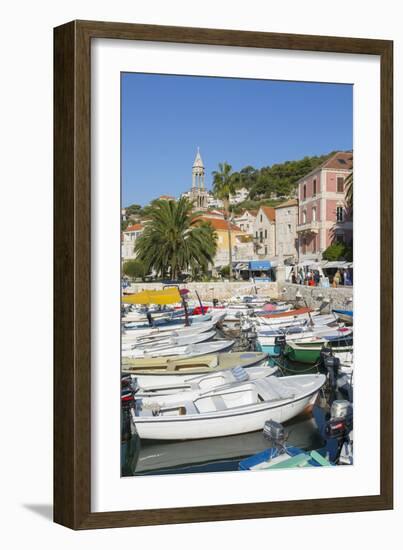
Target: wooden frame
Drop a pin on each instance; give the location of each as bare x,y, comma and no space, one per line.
72,324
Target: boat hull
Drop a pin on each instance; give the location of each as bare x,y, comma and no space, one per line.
160,368
202,428
310,352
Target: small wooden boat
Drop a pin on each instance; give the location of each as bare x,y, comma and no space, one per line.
316,319
268,341
309,351
141,348
240,408
170,320
141,316
153,334
288,313
345,315
150,337
174,368
292,320
185,350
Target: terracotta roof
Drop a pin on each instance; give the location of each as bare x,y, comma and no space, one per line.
270,212
343,160
291,202
219,224
135,227
166,197
213,213
246,211
340,161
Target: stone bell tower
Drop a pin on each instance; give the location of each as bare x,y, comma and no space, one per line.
198,193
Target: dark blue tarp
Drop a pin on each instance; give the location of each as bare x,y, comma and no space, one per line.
259,265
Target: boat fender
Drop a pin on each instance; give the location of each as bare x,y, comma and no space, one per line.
240,374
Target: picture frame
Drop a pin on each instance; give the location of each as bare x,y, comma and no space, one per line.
73,272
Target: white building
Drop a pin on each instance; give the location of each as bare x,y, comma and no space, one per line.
264,232
286,229
246,221
240,196
130,235
212,202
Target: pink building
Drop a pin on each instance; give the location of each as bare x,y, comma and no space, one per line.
323,217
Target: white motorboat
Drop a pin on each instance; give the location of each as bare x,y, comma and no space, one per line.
141,316
167,320
152,334
184,350
239,408
268,338
315,319
169,342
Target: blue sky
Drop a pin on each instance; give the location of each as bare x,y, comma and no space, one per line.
243,122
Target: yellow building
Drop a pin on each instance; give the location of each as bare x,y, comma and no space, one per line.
241,242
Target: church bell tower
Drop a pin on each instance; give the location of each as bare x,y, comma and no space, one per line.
199,194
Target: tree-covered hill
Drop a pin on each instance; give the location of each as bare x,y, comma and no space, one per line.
278,180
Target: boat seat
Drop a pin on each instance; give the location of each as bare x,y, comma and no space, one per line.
273,390
190,407
219,402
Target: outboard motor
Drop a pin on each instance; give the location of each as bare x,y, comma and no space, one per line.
324,353
215,302
332,365
341,419
149,319
248,334
274,432
129,383
279,343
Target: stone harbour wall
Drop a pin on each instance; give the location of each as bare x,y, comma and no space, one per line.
339,298
219,290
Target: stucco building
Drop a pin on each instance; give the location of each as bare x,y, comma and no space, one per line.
240,195
323,215
241,242
286,229
246,220
264,232
129,237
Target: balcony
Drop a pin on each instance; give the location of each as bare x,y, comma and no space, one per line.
309,227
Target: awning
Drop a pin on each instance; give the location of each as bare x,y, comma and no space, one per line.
309,263
259,265
241,266
158,297
336,265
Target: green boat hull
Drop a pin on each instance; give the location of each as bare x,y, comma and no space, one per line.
302,355
309,352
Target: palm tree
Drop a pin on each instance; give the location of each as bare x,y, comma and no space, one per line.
174,241
223,187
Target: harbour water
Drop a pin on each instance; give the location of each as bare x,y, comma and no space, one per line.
152,457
